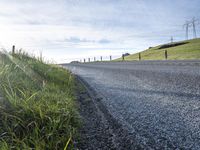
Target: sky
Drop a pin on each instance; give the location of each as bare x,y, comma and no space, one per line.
67,30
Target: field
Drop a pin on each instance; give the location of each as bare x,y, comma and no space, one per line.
38,109
187,50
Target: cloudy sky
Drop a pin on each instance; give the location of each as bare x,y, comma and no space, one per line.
65,30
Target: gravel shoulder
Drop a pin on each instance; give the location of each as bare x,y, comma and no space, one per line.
99,129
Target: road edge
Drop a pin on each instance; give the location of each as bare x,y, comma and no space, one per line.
116,136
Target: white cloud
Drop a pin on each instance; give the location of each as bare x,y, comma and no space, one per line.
75,29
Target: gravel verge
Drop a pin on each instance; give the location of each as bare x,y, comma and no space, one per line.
100,130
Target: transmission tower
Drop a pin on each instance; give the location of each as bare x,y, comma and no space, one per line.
186,26
193,23
172,39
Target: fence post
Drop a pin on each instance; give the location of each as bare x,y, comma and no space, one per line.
166,55
41,56
122,57
139,56
101,58
13,49
110,57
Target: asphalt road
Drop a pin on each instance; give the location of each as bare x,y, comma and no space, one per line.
157,101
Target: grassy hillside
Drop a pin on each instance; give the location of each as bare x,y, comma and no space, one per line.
38,110
187,50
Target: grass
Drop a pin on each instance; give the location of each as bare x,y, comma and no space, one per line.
188,51
38,110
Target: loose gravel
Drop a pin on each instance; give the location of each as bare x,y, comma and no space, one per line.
157,102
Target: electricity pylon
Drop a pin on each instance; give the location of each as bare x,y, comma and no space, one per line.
193,23
186,26
172,39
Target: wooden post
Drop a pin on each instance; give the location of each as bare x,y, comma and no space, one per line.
110,57
101,58
41,56
122,57
166,55
13,49
139,56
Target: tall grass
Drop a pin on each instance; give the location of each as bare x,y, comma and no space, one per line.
38,110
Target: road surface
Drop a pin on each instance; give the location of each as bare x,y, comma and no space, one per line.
156,101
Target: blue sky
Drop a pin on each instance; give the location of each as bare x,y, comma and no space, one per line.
66,30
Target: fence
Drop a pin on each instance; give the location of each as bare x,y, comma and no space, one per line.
110,57
123,58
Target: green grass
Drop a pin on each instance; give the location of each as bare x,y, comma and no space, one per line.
38,110
188,51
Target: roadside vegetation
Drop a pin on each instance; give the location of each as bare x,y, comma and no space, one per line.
184,50
38,109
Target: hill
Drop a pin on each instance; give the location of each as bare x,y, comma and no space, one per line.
183,50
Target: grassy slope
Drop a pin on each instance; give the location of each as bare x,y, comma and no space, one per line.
187,51
38,110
